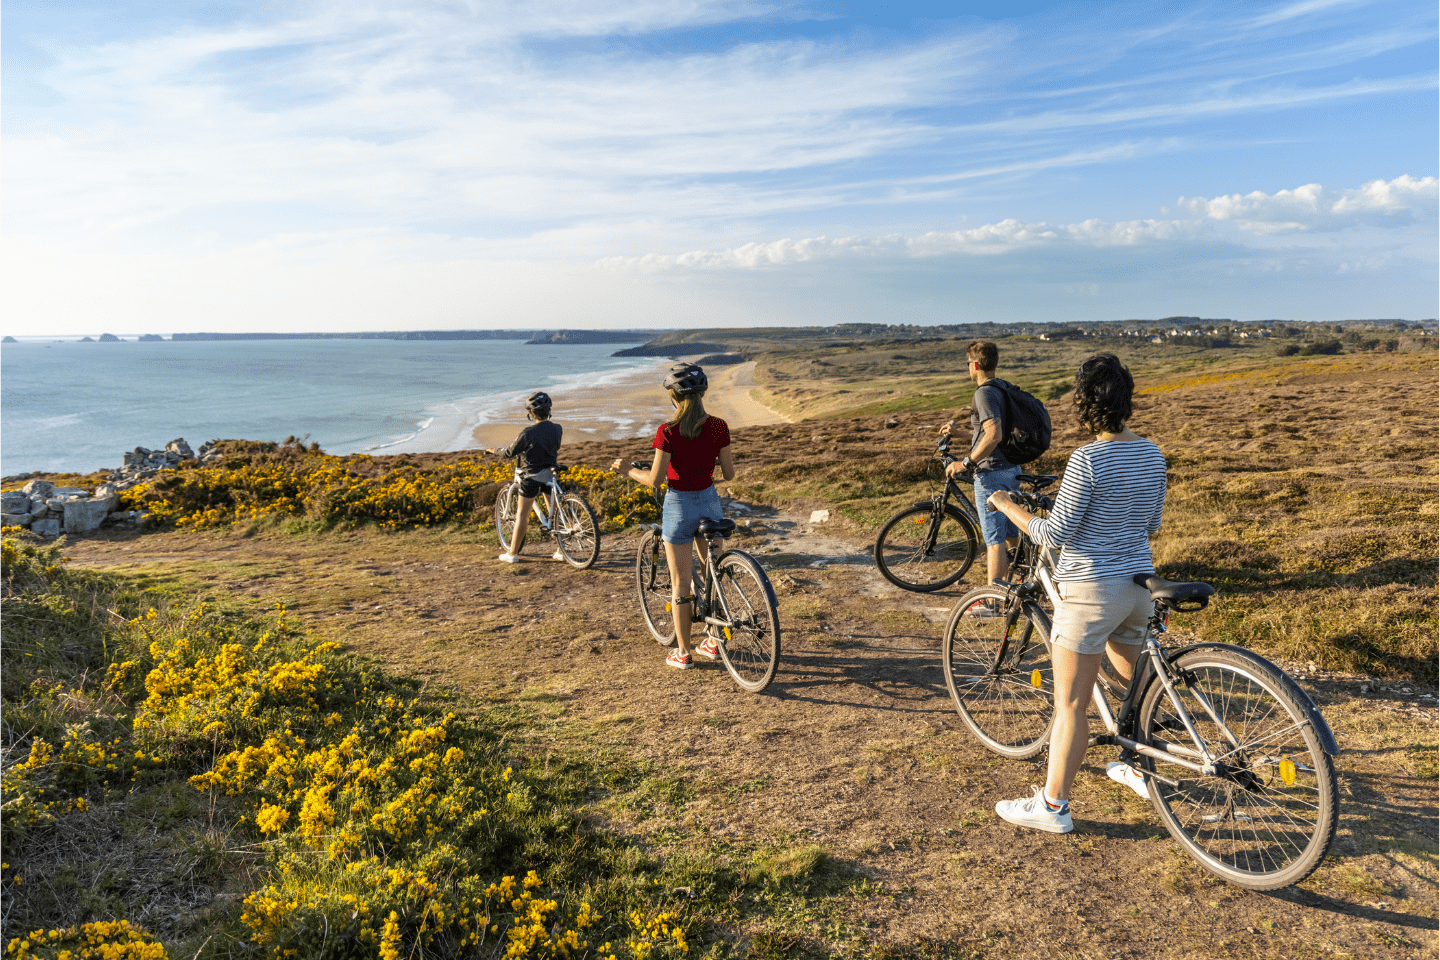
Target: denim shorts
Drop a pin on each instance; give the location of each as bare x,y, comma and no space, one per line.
1092,612
995,525
684,509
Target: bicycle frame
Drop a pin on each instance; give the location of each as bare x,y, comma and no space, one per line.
1152,659
553,493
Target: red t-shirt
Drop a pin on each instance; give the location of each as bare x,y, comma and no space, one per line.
692,462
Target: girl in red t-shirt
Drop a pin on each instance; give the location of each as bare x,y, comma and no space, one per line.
686,449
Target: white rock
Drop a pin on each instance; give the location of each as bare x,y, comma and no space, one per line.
39,489
70,492
84,515
45,528
819,516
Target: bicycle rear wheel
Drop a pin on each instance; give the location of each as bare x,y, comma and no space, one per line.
652,581
750,640
577,532
507,505
912,557
999,673
1266,818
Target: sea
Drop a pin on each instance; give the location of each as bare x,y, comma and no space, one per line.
75,407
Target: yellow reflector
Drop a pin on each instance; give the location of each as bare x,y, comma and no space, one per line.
1287,771
727,633
667,606
919,520
1035,680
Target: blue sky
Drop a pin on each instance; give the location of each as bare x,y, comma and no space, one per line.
351,165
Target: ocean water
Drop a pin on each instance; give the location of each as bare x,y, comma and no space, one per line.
77,407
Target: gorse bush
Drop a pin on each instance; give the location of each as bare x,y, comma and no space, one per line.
295,483
387,827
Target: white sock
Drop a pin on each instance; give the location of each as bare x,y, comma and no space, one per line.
1052,801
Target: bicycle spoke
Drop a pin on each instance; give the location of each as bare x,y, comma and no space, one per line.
1000,681
750,638
1268,812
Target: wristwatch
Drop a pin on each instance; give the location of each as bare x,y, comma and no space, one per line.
967,464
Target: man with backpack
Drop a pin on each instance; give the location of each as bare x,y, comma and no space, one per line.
1008,430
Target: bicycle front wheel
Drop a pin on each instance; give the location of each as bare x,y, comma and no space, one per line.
750,639
507,506
577,532
652,581
913,556
997,666
1267,816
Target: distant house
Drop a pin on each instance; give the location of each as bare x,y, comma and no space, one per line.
1157,339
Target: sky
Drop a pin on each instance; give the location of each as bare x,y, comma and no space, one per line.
333,165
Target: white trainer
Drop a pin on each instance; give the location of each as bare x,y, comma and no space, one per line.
1035,813
1128,775
508,558
557,555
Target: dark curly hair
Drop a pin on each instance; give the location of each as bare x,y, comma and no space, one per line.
1103,388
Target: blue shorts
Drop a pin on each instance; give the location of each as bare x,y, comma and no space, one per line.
995,526
684,509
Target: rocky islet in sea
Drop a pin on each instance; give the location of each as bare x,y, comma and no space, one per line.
49,510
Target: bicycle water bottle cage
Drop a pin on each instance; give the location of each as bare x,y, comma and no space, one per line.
1185,597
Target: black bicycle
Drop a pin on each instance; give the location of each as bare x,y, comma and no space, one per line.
1237,759
931,544
733,599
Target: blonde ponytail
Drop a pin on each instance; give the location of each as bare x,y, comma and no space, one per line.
690,415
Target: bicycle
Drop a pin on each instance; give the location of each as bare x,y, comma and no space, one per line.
733,598
571,521
929,545
1237,759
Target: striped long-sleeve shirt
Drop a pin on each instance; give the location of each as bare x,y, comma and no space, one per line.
1108,507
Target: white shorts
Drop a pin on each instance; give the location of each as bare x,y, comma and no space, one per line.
1092,612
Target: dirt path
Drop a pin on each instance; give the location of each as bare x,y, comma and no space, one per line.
856,745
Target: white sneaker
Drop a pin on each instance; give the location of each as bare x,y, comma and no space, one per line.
1128,775
509,558
1035,813
557,555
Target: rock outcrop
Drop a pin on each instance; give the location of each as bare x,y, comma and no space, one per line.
48,510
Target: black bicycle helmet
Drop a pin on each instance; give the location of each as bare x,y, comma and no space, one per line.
686,378
539,400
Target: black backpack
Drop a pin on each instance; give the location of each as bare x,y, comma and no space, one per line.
1026,426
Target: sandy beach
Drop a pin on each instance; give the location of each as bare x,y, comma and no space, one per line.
636,405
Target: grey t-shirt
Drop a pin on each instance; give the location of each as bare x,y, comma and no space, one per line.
989,404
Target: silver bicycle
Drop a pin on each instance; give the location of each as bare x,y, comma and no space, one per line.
1237,760
570,519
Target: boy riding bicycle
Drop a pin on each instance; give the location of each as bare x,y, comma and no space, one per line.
539,443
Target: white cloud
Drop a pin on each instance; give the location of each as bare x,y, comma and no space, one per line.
1312,207
992,238
1392,203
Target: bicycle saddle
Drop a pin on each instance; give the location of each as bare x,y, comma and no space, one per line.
1036,481
1176,596
716,528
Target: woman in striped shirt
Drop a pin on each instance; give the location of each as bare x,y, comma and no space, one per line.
1109,505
